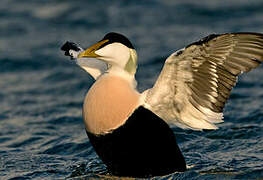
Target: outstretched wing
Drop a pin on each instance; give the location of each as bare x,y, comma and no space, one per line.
196,82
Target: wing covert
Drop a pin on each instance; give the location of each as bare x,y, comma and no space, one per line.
196,82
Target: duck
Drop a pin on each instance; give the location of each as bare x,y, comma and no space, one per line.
131,131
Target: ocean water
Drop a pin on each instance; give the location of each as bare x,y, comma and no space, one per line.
42,135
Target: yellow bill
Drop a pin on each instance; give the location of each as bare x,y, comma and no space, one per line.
90,52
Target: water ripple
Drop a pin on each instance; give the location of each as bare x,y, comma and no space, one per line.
42,135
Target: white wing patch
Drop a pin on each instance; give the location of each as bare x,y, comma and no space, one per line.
196,82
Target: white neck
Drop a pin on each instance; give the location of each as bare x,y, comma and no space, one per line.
118,71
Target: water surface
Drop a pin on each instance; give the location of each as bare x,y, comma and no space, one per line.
42,135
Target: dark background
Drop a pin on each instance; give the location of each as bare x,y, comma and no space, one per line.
42,135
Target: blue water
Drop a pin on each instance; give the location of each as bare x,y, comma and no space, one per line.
42,135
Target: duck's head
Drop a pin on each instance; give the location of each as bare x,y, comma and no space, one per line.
115,50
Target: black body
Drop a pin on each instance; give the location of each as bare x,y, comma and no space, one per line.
144,146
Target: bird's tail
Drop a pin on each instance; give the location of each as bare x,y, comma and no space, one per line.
71,49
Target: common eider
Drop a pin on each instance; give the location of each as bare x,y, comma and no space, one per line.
130,130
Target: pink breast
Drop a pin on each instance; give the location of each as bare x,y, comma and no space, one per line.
108,104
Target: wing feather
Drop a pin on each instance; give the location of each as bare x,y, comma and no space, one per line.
195,83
